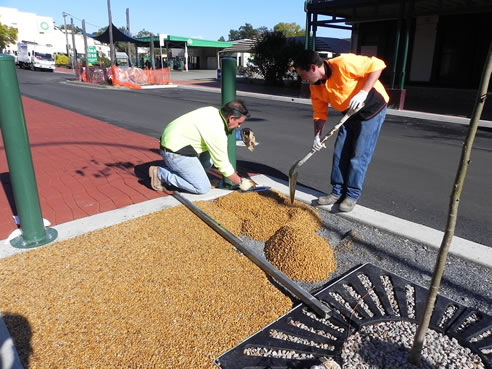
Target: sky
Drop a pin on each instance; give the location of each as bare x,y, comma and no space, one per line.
208,20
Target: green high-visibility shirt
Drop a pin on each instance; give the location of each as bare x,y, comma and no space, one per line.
203,129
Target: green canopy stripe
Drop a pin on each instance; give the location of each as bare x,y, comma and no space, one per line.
191,42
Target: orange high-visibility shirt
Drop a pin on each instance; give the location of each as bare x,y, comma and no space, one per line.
348,73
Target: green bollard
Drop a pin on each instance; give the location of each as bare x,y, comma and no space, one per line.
228,88
19,160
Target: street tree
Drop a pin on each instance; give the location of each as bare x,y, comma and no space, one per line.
8,35
289,29
272,56
76,29
246,31
100,31
454,201
142,33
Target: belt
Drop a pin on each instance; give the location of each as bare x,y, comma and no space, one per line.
184,151
163,149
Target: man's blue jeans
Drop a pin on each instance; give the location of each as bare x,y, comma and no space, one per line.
186,172
354,147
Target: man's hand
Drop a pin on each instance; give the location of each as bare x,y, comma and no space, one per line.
317,145
246,184
358,99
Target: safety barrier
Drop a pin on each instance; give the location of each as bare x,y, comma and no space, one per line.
130,77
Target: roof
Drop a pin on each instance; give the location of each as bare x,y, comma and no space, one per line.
335,45
178,41
241,46
356,11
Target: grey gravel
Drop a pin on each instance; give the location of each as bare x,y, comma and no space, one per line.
465,282
388,344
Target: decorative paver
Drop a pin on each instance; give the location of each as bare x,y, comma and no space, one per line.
83,166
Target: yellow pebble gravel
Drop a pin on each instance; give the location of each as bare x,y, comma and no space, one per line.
160,291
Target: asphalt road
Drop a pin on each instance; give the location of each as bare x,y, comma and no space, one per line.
411,175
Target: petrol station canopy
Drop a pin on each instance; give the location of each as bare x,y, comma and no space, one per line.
178,42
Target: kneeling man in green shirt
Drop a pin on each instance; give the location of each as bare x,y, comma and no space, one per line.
192,143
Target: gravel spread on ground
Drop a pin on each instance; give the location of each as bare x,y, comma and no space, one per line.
160,291
263,213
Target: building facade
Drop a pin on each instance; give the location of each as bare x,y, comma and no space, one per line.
42,30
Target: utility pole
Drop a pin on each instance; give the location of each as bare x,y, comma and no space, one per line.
152,60
66,35
74,47
111,45
128,30
86,50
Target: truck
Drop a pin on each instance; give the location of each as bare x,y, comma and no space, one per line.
35,56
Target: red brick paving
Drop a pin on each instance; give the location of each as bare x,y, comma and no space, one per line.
83,166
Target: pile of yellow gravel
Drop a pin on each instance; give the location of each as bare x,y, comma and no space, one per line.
301,254
289,230
160,291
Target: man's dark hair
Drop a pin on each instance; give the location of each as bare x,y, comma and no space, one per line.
234,108
307,57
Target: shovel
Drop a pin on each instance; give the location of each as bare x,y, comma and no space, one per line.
298,163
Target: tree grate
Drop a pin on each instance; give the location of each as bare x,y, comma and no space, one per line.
365,296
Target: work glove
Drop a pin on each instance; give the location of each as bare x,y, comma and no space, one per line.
317,145
246,184
248,137
358,100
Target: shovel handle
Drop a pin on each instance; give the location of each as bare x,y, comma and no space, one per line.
347,115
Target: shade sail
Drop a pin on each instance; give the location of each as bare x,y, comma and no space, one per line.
117,36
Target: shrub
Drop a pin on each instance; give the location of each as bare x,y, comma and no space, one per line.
61,59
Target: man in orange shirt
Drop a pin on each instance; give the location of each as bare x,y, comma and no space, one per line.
346,82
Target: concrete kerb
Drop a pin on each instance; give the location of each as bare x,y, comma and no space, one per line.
297,100
396,112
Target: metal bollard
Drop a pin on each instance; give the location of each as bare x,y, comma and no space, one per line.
228,88
19,160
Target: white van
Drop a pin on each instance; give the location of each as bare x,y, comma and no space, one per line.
34,56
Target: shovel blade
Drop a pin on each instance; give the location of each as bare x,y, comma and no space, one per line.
292,186
293,181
